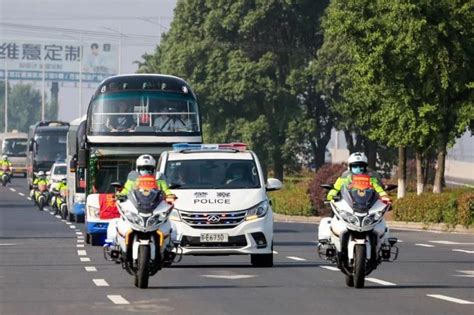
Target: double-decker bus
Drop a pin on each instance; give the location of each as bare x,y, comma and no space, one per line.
46,144
130,115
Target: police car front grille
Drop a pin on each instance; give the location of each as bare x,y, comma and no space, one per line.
227,220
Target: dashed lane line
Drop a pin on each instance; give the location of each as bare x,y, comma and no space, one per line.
118,299
464,251
450,299
81,252
13,189
80,245
100,282
85,259
21,194
80,236
72,227
80,241
275,252
378,281
58,216
329,268
424,245
295,258
450,243
78,233
68,223
90,268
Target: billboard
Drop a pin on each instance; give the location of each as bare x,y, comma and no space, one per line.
62,61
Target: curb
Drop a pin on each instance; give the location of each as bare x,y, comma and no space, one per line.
398,225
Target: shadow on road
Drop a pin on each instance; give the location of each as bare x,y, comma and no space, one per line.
201,287
421,286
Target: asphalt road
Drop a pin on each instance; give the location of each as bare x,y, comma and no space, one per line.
45,268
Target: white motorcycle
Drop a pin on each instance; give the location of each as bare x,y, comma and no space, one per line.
356,238
141,238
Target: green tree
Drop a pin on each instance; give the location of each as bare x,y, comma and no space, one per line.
405,70
241,58
24,107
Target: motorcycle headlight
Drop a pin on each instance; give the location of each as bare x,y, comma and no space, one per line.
134,218
157,218
349,217
93,211
371,219
260,210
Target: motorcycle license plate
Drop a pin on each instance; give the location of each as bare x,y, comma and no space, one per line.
214,238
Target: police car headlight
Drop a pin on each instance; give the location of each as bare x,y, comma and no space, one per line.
175,216
258,211
93,211
349,217
134,218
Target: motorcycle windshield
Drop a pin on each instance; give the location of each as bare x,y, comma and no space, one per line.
360,199
146,200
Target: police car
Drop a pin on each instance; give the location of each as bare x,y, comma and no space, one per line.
222,206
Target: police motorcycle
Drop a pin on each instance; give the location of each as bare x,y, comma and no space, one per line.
140,240
5,175
39,192
58,199
356,238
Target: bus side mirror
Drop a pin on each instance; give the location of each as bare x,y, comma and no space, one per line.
73,164
82,158
30,147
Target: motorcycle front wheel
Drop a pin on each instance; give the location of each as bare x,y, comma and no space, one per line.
143,267
359,266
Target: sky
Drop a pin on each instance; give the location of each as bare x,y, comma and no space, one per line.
139,21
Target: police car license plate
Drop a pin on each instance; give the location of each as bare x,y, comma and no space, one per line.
214,238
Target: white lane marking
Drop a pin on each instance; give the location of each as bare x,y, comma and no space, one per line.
13,189
78,233
424,245
80,245
68,223
117,299
378,281
330,268
464,251
29,198
7,244
58,216
90,268
450,299
80,236
85,259
52,213
21,194
72,226
275,252
80,241
230,277
81,253
100,282
296,258
450,243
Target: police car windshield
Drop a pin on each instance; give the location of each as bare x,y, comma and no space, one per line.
60,170
212,174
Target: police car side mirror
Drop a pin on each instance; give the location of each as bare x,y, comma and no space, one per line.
48,173
273,184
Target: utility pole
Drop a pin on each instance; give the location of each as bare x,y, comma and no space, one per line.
6,96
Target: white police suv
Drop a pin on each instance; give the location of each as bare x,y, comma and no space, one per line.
222,206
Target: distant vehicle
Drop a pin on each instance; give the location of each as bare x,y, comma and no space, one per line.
57,173
46,144
14,146
222,207
76,184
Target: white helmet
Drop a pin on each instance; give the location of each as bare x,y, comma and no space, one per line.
145,165
41,174
357,158
5,157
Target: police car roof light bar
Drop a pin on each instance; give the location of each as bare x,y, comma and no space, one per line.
236,146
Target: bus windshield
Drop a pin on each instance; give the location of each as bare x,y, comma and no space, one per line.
14,147
148,112
50,147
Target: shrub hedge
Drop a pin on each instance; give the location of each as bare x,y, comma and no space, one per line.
292,199
327,174
452,207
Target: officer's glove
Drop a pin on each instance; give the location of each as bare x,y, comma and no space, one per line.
386,200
